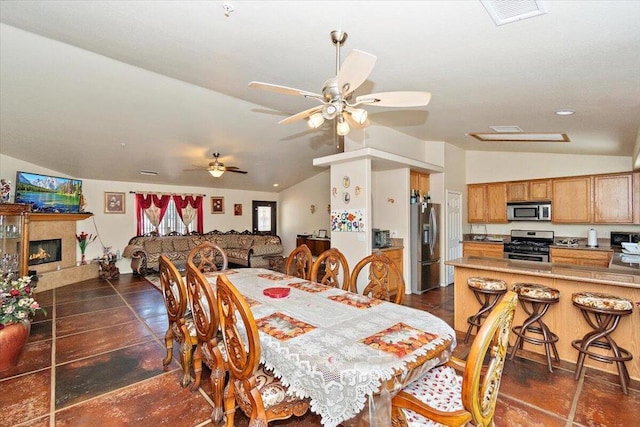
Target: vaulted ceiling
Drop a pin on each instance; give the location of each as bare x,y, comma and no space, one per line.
105,89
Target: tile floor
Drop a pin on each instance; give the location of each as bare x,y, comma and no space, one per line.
95,360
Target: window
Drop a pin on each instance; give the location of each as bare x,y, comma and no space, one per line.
170,222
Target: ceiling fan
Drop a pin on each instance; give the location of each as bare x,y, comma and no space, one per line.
337,98
216,168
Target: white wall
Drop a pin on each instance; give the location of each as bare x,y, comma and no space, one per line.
115,230
295,213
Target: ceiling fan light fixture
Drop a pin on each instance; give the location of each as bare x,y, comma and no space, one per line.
343,127
359,115
216,171
329,111
315,120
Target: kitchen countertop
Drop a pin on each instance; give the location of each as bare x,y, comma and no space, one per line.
627,275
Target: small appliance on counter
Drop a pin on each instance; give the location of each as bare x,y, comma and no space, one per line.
617,237
381,238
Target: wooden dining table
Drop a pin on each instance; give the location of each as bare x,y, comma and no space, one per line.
342,350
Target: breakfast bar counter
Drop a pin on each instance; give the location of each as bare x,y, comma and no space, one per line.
563,318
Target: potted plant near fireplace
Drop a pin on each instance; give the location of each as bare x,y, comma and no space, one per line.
17,308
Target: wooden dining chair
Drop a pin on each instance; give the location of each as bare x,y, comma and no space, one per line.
207,256
331,264
210,349
181,327
260,395
299,263
385,281
442,396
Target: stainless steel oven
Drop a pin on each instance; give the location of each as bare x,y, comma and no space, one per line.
529,245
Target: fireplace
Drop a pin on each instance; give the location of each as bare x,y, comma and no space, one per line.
45,251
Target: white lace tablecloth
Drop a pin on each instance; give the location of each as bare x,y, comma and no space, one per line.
335,353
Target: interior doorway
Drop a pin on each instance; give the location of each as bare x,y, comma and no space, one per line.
454,230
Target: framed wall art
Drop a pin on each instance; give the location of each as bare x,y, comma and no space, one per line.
217,205
114,203
237,209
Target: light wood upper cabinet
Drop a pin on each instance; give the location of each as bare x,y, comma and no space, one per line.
540,190
613,198
526,191
572,200
419,181
487,202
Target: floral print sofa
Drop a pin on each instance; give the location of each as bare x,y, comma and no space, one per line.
242,248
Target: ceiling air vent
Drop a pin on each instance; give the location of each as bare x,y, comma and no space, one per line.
511,129
503,11
520,137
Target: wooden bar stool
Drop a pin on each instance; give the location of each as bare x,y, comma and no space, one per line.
603,313
536,299
487,291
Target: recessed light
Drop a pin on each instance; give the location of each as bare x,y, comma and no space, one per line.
150,173
276,185
565,112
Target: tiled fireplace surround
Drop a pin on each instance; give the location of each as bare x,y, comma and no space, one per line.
55,274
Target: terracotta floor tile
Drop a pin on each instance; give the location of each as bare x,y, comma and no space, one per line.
88,306
42,316
135,287
88,321
40,331
158,325
43,298
157,401
25,397
38,422
87,378
97,341
553,391
149,308
35,356
604,404
146,297
513,413
84,294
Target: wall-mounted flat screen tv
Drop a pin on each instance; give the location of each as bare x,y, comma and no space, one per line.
48,194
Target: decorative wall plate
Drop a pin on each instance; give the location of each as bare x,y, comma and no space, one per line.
346,182
346,197
334,191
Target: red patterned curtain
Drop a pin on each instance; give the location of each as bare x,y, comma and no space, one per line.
188,208
151,206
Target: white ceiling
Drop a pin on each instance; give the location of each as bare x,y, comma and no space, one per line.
104,89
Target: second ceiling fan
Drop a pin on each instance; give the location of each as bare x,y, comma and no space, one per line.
337,99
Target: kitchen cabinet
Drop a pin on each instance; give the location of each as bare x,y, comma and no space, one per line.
529,191
487,203
419,181
613,199
316,245
485,250
572,200
395,255
590,257
14,239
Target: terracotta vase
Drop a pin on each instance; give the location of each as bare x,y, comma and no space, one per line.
13,337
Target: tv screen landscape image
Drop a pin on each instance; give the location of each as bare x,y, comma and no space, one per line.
48,194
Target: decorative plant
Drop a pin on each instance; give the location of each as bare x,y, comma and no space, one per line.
18,304
84,239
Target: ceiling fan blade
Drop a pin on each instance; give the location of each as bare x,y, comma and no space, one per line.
301,115
283,89
235,171
354,70
395,99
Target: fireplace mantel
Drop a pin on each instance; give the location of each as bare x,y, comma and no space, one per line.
59,216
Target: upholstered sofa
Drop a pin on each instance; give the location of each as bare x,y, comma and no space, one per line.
242,249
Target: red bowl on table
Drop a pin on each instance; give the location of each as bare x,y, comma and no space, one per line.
276,292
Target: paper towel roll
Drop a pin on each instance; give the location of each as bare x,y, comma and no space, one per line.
592,240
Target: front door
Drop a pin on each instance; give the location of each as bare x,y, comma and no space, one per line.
264,215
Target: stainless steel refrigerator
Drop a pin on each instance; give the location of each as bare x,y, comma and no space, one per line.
425,247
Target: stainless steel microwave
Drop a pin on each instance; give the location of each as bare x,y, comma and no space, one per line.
617,237
529,211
